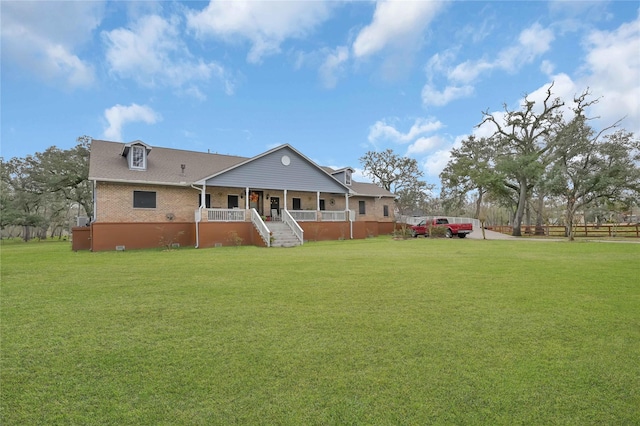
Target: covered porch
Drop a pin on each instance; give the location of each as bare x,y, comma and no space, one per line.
235,205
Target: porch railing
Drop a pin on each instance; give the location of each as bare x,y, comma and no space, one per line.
241,215
295,228
260,226
333,216
226,215
304,215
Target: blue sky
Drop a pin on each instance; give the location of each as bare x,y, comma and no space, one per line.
333,79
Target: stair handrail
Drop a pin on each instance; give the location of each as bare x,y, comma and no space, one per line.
261,227
293,225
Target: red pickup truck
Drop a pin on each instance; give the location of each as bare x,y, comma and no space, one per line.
459,229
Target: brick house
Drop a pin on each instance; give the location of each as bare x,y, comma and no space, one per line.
150,196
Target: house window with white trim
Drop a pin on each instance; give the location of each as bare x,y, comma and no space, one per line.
144,199
297,204
361,208
138,157
347,177
385,210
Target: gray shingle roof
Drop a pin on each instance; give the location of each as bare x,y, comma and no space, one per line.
164,167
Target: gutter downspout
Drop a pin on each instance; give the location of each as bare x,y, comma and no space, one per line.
199,216
348,212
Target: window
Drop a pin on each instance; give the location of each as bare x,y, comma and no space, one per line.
385,210
207,201
138,157
322,205
232,201
361,208
347,177
297,204
144,199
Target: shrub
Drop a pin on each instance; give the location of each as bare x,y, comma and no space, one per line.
437,232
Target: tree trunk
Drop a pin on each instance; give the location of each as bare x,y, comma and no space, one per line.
522,200
569,219
479,203
539,218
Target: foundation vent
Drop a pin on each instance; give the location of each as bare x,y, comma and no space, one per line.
119,248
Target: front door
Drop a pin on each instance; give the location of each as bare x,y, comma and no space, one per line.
275,206
255,201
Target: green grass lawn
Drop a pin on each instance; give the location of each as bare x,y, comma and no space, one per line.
371,331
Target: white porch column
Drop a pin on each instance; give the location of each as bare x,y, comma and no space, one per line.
318,201
246,198
203,196
285,199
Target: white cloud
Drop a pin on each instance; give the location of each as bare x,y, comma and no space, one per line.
424,144
431,95
333,65
612,72
440,63
153,54
265,24
563,88
34,39
487,129
532,42
382,131
436,162
469,71
119,115
547,67
395,24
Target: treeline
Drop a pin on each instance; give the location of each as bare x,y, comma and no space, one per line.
537,160
43,194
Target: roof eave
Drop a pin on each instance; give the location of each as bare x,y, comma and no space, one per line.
140,182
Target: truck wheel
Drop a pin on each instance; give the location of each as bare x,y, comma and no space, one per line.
449,233
462,235
413,234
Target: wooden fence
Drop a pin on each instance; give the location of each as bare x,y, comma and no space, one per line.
591,230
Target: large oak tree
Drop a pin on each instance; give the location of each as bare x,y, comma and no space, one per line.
522,137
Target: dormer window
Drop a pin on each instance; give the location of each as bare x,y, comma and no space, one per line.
136,154
138,157
347,177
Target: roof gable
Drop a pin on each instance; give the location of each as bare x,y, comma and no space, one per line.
280,168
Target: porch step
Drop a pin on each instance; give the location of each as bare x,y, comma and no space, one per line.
282,235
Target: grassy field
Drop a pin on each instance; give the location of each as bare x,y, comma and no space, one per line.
371,331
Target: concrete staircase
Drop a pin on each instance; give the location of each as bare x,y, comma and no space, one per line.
281,234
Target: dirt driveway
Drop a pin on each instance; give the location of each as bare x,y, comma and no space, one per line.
490,235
